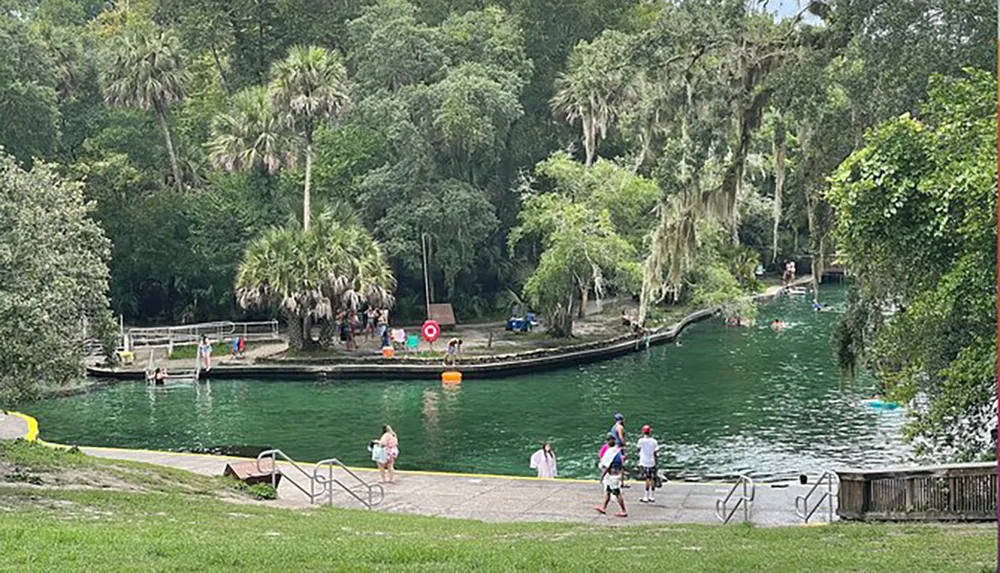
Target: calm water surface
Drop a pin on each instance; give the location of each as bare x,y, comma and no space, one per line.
726,400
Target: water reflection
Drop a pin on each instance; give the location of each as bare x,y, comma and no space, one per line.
728,399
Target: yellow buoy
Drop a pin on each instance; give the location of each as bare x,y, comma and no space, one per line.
451,377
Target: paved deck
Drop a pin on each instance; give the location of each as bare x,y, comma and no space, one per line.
473,366
510,499
12,427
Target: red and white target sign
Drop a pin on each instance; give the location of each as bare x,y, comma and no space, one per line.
430,330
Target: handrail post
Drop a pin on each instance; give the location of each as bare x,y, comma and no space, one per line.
829,497
746,506
274,468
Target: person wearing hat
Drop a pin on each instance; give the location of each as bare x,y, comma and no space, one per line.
647,462
617,431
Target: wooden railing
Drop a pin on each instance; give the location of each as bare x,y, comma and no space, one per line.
960,492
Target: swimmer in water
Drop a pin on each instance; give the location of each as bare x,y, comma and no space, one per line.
777,325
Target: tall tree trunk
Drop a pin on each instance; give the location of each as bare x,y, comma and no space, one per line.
584,300
296,340
328,335
779,184
589,139
307,333
306,196
814,245
220,70
161,114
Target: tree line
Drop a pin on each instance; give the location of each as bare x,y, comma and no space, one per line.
283,156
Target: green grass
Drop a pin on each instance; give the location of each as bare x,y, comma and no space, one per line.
36,464
171,520
116,531
222,349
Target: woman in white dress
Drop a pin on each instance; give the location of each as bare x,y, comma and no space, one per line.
544,460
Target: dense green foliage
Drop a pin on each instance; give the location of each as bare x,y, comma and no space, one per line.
931,181
668,147
53,279
438,108
312,275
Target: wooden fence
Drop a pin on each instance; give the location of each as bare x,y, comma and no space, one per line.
960,492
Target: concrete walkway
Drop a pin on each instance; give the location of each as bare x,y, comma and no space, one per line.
507,499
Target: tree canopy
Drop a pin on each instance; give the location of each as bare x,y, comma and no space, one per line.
567,151
53,279
929,180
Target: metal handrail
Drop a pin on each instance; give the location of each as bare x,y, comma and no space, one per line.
315,479
187,334
330,479
802,501
745,500
274,454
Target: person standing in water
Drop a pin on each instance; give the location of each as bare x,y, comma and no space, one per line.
647,463
544,460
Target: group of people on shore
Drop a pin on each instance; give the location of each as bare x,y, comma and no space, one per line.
350,324
612,460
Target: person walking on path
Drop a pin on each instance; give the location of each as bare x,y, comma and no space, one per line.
544,460
617,432
611,478
205,353
389,444
647,463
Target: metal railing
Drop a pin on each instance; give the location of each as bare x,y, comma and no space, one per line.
320,485
187,334
744,500
802,503
329,480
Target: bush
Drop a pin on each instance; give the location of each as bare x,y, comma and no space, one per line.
263,491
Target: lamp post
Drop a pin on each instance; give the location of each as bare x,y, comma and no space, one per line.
424,240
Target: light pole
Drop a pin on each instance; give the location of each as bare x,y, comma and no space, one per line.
424,239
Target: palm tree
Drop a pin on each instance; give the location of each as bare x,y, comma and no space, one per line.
595,88
308,87
250,135
311,275
144,70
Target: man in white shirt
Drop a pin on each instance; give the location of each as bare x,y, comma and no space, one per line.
647,462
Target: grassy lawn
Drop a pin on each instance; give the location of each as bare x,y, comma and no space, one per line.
146,518
32,463
117,531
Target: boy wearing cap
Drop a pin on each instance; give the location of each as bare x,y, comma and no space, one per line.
647,462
